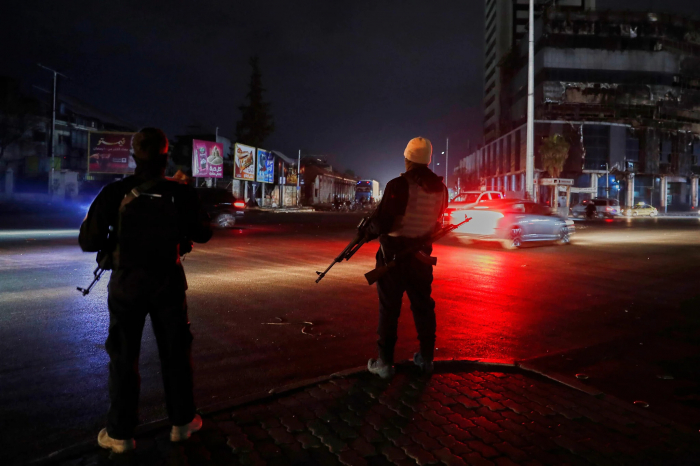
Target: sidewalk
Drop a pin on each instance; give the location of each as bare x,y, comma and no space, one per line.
466,413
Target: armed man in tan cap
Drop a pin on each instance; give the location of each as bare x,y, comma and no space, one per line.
409,213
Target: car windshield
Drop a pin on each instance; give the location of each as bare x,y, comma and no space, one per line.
468,198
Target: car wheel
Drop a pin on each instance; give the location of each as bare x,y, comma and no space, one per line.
564,236
653,214
634,214
515,240
225,221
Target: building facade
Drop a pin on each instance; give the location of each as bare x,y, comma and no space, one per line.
622,88
505,24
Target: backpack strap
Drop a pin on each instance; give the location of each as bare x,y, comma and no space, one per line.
138,191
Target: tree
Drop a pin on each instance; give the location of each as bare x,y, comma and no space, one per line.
349,173
256,122
554,151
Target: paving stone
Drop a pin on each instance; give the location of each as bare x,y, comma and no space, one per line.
424,440
467,402
392,453
505,461
334,443
512,438
281,436
409,428
251,459
255,433
446,457
363,447
455,446
443,399
475,459
324,457
515,417
539,408
439,408
295,453
239,443
396,437
460,421
293,424
270,423
429,428
318,427
516,407
493,416
421,456
457,432
569,444
486,424
491,394
513,427
464,412
491,404
304,414
325,414
484,435
434,418
371,434
352,458
308,440
343,430
484,450
268,450
516,454
350,418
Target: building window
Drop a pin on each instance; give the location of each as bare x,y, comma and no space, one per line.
665,148
696,153
632,147
596,140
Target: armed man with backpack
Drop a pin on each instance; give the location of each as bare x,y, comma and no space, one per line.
142,224
410,212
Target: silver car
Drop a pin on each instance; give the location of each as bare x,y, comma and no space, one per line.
512,222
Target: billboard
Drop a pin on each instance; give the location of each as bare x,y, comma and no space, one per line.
110,153
265,172
290,176
207,159
244,162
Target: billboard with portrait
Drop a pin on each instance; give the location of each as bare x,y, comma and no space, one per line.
207,159
244,162
290,175
110,152
265,172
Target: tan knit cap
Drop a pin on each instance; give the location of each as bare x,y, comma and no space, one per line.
419,150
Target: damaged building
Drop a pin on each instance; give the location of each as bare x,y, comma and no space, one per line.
622,88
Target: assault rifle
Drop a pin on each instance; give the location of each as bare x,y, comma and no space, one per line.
373,275
102,264
350,249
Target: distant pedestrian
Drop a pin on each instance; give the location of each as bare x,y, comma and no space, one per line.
591,210
144,222
409,213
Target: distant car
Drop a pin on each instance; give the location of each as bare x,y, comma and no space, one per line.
512,222
469,198
605,208
640,210
221,205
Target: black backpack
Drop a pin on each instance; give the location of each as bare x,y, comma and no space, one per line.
149,228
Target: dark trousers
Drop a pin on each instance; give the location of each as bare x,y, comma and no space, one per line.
415,278
132,295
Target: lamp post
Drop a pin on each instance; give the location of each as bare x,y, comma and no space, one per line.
530,153
53,124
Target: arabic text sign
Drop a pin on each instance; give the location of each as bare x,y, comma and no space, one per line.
110,153
266,167
244,162
207,159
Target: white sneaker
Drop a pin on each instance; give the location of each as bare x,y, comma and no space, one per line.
426,367
377,367
116,445
180,433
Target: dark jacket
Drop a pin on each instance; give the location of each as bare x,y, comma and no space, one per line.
103,215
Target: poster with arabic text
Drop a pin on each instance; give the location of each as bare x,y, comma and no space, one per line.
110,153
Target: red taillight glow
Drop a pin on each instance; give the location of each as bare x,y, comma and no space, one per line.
239,204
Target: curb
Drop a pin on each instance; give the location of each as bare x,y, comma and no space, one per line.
276,392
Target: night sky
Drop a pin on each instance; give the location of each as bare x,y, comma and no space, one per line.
353,81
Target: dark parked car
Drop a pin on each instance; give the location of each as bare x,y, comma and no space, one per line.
221,205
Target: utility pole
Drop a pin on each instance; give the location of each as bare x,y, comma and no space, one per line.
530,154
447,158
53,124
298,179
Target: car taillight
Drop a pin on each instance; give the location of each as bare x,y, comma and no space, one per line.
239,204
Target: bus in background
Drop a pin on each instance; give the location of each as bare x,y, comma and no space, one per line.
367,192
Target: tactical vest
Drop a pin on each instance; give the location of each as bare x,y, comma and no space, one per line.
423,211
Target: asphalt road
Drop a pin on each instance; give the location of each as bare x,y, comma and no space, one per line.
260,321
